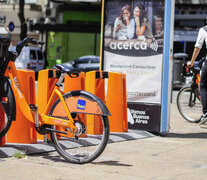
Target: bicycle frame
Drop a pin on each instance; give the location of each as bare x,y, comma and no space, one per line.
25,108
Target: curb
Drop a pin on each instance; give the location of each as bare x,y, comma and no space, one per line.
41,147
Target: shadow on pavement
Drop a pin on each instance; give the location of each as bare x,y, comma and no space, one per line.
107,163
111,163
202,135
57,158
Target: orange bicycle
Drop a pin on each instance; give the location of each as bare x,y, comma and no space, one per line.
66,117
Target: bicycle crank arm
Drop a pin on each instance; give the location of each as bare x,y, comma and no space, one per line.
53,130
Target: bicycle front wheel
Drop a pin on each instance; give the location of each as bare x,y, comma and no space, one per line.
85,145
189,105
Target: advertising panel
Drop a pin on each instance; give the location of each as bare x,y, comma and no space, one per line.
133,41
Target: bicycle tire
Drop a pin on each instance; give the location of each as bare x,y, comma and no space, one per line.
189,105
8,105
86,147
5,128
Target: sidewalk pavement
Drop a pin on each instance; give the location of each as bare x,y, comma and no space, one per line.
179,155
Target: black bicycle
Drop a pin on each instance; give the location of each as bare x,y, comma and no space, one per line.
188,98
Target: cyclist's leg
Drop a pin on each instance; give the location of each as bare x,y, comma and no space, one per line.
203,92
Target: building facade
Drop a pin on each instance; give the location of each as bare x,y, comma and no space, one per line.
190,15
72,27
33,10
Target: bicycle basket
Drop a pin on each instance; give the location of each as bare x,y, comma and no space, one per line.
4,45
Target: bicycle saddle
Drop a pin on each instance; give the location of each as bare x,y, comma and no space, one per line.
68,70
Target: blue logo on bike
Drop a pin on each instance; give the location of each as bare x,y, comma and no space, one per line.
81,104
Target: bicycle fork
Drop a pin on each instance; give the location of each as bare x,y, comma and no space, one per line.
193,94
190,103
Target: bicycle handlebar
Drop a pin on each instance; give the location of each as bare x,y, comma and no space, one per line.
191,71
26,41
198,64
35,42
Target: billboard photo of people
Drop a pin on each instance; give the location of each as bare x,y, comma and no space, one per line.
133,25
133,44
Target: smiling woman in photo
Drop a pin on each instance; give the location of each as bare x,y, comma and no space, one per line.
124,25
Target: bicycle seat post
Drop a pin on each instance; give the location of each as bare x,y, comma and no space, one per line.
61,79
36,117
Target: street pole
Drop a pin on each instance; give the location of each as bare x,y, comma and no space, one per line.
23,33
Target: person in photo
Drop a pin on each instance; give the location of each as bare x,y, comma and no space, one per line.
124,25
142,27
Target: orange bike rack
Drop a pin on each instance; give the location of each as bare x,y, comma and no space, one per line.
45,86
72,84
95,84
116,102
115,99
22,130
2,123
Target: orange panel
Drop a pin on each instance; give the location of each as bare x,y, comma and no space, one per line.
72,84
116,102
45,86
95,84
22,130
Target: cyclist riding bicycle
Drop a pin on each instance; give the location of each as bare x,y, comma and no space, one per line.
202,36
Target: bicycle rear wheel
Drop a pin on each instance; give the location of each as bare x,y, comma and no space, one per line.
90,140
189,105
